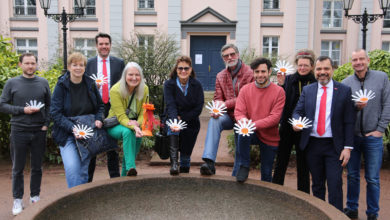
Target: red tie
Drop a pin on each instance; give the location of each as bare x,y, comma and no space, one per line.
105,86
321,114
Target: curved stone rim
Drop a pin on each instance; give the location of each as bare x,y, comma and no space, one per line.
328,210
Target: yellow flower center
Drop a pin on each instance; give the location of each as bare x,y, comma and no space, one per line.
300,125
215,110
244,130
82,133
98,80
364,99
175,127
283,69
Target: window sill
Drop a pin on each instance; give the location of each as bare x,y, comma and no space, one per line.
333,31
272,13
23,18
92,18
145,12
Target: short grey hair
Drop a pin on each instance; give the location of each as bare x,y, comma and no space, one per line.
123,87
361,49
227,46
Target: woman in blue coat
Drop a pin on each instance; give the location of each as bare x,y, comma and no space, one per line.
183,101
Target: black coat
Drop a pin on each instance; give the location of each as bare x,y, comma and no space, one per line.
187,107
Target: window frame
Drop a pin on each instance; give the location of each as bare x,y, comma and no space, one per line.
25,8
388,45
85,48
148,40
332,17
330,50
272,3
27,48
146,3
386,18
270,46
86,8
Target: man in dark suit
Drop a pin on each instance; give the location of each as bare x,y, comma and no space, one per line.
110,67
328,143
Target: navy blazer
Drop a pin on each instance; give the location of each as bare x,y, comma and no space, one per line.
188,107
342,115
116,67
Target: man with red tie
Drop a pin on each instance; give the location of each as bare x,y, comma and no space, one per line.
328,143
110,68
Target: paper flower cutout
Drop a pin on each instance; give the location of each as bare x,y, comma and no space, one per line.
284,67
176,124
35,104
301,123
244,128
217,108
83,131
363,96
99,80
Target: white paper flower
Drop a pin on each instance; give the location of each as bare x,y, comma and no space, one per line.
83,131
284,67
99,80
35,104
244,127
217,108
363,96
301,123
176,124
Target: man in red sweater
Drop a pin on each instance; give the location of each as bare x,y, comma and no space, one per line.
261,101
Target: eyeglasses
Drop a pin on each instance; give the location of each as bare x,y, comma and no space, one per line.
229,54
184,68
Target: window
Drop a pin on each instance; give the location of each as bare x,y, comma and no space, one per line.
24,8
89,9
270,46
145,4
27,46
331,49
332,14
85,46
145,41
386,46
386,20
271,4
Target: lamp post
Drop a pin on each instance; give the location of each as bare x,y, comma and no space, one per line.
64,18
365,18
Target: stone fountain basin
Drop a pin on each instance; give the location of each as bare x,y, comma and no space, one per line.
187,196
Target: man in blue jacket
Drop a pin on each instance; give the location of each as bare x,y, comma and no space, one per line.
373,118
111,67
328,143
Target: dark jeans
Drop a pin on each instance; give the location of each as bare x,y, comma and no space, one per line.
112,165
21,142
288,138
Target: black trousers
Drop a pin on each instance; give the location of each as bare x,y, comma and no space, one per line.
325,168
112,158
21,143
288,139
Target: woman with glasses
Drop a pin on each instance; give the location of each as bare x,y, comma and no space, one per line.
293,85
183,101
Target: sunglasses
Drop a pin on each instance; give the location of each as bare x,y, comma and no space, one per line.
229,54
184,68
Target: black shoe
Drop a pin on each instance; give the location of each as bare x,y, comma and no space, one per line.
351,213
372,217
207,168
242,174
174,169
132,172
184,169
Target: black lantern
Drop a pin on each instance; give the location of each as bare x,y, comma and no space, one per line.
64,18
365,18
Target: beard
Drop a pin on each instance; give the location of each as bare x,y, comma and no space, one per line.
325,80
232,64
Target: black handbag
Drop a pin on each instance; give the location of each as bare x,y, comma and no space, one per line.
100,142
113,121
161,140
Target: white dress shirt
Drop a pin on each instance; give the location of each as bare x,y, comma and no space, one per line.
100,72
329,96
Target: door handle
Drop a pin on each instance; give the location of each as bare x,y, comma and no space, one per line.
209,67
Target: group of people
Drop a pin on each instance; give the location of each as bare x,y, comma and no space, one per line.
342,130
